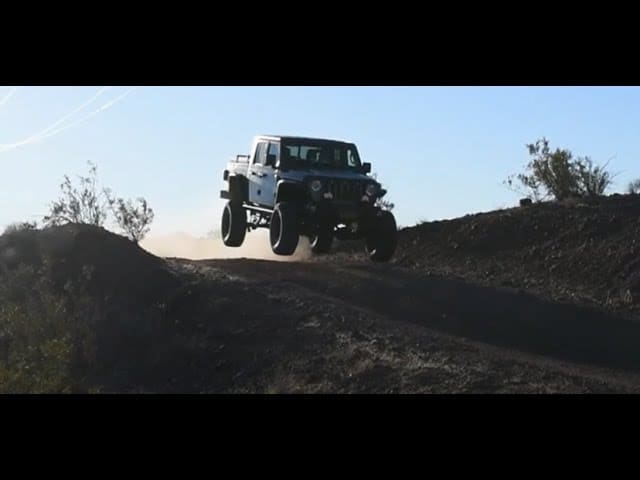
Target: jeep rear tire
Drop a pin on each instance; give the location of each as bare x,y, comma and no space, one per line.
234,224
283,229
382,239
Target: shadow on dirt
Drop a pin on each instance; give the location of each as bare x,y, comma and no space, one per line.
499,317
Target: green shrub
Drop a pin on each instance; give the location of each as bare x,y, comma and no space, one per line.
133,220
557,174
87,203
45,335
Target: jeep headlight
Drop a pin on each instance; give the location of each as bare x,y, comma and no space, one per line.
371,190
316,186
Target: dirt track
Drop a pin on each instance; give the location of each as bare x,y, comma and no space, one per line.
358,327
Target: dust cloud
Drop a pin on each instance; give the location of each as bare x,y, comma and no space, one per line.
256,245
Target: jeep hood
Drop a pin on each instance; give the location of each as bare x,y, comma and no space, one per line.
327,173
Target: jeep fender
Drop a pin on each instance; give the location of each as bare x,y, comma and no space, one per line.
288,191
238,188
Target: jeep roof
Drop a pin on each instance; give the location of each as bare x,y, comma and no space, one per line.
295,138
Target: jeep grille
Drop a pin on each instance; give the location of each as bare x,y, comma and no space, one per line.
346,190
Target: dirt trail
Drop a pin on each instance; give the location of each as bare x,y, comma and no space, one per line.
374,328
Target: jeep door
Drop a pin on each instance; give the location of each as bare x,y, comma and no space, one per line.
262,181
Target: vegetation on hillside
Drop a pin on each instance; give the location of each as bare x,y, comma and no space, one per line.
88,203
558,174
634,187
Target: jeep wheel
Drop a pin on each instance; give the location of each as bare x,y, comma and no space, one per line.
382,239
234,224
283,230
322,240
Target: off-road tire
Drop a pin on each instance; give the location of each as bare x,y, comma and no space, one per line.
382,239
234,224
283,229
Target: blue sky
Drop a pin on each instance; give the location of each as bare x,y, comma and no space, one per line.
442,152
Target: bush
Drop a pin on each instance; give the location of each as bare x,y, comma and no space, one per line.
45,335
593,180
86,204
134,220
557,174
57,335
634,187
19,227
90,204
385,204
380,202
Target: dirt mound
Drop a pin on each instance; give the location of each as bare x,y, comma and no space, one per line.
107,264
82,307
585,249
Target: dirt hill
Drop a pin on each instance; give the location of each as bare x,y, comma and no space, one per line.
107,264
82,309
577,251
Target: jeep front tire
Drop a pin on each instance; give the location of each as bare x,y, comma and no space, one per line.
283,229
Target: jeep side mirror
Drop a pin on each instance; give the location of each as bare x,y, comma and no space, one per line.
366,167
271,160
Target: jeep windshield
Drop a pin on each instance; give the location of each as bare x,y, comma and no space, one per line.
329,155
